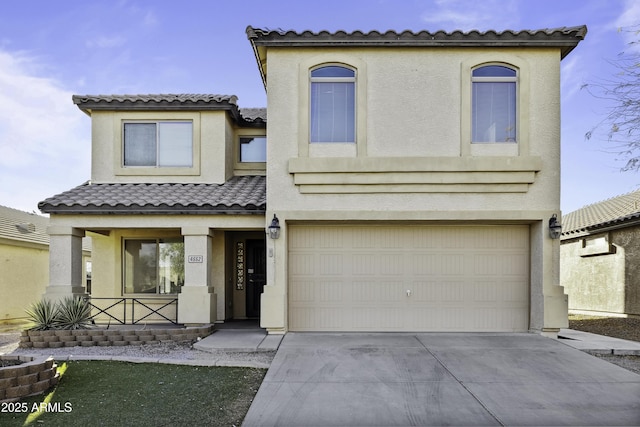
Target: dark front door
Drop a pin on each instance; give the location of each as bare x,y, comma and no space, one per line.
256,275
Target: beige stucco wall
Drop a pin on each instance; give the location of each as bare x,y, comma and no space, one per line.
413,109
413,130
213,140
602,274
25,275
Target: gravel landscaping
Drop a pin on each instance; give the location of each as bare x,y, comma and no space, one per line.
175,352
617,327
624,328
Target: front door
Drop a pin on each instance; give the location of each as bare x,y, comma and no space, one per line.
256,275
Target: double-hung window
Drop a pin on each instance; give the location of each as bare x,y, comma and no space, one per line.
153,266
158,144
333,104
494,104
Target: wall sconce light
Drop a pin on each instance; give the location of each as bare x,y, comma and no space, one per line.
274,228
555,229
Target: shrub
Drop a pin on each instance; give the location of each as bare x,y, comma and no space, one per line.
70,313
43,315
73,313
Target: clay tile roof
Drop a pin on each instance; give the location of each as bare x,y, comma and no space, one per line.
242,194
254,114
563,38
173,102
23,226
153,100
614,211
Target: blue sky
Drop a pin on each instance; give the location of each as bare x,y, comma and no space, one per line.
52,49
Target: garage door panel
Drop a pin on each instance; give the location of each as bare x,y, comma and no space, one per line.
459,278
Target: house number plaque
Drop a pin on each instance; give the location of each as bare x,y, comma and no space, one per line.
195,258
240,266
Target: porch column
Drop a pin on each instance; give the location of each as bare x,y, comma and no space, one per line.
197,300
65,263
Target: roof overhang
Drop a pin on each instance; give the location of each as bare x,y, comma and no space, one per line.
565,39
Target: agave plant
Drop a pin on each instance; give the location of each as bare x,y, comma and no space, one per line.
73,313
43,314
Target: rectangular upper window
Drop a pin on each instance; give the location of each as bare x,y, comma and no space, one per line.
494,97
158,144
332,103
153,266
253,149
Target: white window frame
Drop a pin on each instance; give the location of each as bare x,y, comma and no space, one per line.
496,79
353,80
523,99
158,124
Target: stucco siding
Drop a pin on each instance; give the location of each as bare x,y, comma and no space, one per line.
606,279
413,110
210,164
25,274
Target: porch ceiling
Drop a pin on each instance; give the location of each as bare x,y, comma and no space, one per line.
239,195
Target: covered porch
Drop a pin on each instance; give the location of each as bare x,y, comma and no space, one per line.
176,255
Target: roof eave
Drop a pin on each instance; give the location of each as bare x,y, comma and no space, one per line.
110,210
565,39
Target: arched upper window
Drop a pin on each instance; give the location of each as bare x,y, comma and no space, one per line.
332,103
494,104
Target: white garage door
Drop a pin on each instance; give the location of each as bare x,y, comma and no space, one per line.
409,278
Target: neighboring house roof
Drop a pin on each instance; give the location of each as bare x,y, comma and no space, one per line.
173,102
241,194
23,226
565,38
616,211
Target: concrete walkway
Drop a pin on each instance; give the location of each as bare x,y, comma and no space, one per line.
598,344
321,379
239,340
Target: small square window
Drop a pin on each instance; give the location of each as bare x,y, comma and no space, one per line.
253,149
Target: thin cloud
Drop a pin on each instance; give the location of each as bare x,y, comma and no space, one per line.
465,16
41,131
106,42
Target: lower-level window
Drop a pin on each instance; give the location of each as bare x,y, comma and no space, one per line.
153,266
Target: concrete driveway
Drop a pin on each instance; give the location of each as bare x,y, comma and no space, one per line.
323,379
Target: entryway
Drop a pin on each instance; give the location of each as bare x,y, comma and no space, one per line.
256,275
246,275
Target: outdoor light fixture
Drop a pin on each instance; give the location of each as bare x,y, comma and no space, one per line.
555,229
274,228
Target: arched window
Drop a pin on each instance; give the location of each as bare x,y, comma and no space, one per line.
494,101
332,103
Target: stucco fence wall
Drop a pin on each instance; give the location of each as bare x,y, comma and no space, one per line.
115,337
601,272
33,376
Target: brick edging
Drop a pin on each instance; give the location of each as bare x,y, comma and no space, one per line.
35,376
109,337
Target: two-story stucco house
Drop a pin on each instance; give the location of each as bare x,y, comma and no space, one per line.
413,177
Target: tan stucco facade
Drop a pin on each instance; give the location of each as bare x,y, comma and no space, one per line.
411,164
207,294
26,273
413,160
600,272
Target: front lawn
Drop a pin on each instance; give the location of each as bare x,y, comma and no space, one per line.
101,393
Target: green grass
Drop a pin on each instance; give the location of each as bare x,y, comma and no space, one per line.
97,393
